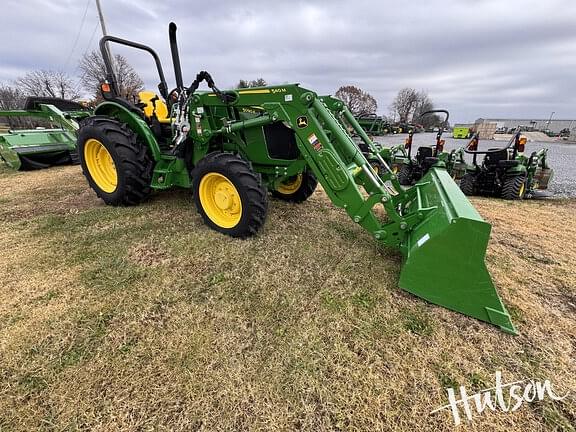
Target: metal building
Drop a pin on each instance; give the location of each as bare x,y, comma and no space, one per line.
553,125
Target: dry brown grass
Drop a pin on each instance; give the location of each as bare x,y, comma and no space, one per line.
143,318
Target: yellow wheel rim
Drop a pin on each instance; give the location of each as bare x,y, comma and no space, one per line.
100,165
521,191
288,187
395,169
220,200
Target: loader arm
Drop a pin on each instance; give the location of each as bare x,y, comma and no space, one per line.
432,224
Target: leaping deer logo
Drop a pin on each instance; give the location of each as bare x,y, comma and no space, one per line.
302,121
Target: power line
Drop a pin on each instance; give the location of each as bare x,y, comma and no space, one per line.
89,46
77,35
91,38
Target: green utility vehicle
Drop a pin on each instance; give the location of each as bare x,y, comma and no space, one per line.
462,132
507,172
231,148
41,147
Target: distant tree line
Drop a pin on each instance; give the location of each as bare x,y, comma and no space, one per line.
58,84
407,107
259,82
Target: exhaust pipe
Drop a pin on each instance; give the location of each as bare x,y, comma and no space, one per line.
175,56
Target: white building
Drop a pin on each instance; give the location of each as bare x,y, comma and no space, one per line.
533,124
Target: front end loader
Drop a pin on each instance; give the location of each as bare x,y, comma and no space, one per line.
41,147
507,172
233,147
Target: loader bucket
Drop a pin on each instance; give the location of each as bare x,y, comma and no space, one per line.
445,253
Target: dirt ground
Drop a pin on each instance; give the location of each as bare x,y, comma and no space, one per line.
144,319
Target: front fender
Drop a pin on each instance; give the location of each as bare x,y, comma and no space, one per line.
139,126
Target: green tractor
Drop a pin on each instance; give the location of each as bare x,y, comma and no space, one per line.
412,169
507,172
232,148
46,145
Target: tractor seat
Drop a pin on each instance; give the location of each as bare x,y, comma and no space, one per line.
508,163
424,153
158,106
496,156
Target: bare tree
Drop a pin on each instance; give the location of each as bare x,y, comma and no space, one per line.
405,103
359,102
11,98
94,72
259,82
46,83
424,104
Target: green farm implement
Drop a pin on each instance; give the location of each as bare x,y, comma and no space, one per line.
374,125
507,172
233,147
40,147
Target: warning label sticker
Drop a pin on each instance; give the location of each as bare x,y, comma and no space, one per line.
315,142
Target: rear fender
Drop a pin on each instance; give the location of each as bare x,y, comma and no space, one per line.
137,124
517,170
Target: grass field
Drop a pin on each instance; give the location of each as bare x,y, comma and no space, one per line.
143,318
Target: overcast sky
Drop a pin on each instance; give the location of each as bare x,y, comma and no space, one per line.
476,58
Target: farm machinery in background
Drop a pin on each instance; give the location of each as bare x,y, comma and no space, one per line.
374,125
461,131
507,172
412,169
232,147
36,146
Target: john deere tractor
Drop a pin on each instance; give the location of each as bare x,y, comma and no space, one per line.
413,169
507,172
232,148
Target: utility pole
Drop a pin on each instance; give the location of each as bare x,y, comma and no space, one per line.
104,31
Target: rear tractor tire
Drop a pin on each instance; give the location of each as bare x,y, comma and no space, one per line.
229,195
405,175
296,189
116,164
514,188
468,184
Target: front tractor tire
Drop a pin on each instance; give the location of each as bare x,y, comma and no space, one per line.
117,166
514,187
296,189
229,195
